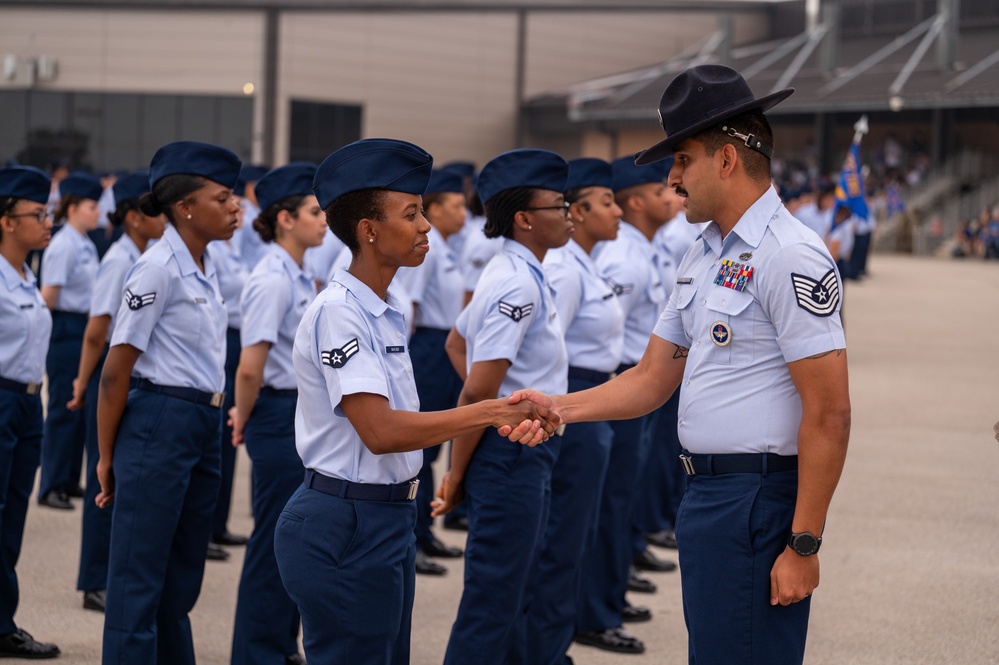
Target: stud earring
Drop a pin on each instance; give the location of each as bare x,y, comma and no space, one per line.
189,217
530,228
371,239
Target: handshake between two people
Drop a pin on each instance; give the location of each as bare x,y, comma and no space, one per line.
530,418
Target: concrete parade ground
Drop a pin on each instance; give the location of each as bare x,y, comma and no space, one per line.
910,559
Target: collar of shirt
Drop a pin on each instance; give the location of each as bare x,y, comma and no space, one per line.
371,302
513,247
580,255
131,249
11,279
632,232
751,226
183,254
293,269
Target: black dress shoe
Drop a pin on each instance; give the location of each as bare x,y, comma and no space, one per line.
216,553
427,566
639,584
434,547
459,523
94,600
665,538
650,562
20,644
635,614
612,639
295,659
56,499
75,492
229,539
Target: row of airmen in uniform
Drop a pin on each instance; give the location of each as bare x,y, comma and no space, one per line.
437,290
332,386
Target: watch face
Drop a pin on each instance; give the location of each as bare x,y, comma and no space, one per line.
805,544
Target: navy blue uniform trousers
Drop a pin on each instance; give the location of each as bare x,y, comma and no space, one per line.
607,562
663,479
220,521
577,484
95,541
349,565
730,530
438,387
166,469
65,432
507,490
267,619
20,446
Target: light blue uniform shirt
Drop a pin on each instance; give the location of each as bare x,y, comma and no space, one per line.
70,262
590,312
351,341
174,314
318,261
671,242
817,220
513,316
631,266
435,285
342,263
232,273
248,242
274,300
110,283
25,326
737,394
475,256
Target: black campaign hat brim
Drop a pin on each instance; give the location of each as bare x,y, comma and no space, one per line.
664,148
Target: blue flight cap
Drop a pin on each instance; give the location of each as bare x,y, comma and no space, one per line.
294,179
81,184
214,162
589,172
446,180
524,167
463,169
249,173
130,187
373,164
25,182
628,174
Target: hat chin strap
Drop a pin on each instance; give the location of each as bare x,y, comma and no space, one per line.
751,141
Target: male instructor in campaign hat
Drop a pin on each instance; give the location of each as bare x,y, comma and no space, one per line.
753,331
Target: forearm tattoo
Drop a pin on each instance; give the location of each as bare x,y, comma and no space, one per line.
681,352
838,352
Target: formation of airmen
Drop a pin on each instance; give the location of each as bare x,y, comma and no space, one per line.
343,321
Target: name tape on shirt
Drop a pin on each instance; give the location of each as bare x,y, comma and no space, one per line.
734,275
620,289
337,358
516,312
137,302
395,349
819,297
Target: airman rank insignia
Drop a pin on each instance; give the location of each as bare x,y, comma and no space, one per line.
516,312
337,358
734,275
818,297
137,302
721,333
620,289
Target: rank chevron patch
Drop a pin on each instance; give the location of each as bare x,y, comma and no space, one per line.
337,358
818,297
516,312
136,302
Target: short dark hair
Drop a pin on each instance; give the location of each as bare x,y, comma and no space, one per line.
265,223
343,215
503,207
167,191
753,122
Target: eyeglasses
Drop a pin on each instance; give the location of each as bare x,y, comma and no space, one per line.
40,217
564,208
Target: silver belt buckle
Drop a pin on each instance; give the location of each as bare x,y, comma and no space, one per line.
688,465
413,486
34,389
217,400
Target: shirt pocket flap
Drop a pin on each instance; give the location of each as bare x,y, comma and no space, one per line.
728,301
595,290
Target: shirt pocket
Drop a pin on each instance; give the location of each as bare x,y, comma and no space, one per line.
684,297
730,316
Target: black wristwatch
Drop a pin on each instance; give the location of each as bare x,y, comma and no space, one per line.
804,543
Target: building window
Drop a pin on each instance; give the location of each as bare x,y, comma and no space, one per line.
317,129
